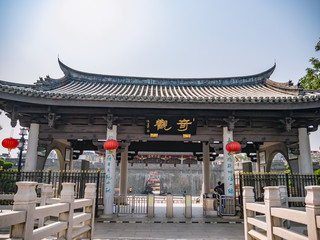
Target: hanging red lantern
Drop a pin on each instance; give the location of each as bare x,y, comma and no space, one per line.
110,145
10,143
233,147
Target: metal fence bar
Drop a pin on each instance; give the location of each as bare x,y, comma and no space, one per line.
294,183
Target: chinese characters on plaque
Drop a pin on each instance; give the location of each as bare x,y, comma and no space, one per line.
171,125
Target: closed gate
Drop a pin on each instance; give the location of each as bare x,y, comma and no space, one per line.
226,206
130,204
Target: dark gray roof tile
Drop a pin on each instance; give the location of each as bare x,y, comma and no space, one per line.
82,86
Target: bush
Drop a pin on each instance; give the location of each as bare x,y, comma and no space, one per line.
7,182
1,162
7,165
317,173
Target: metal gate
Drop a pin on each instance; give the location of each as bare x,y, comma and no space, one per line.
226,206
130,204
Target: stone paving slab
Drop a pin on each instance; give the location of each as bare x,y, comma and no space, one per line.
168,231
157,231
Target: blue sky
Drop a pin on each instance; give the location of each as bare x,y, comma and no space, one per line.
157,38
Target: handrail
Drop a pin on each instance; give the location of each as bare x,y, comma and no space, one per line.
50,210
68,225
12,218
274,214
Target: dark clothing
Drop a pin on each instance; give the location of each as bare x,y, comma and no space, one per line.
219,189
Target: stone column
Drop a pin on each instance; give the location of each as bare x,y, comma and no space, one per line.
32,151
228,163
124,172
110,169
67,196
304,159
24,200
248,197
90,193
272,199
312,210
205,168
46,193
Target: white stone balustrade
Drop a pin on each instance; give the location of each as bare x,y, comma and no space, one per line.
69,226
269,225
46,194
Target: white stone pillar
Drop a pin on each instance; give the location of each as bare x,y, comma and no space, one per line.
24,200
272,199
304,159
312,211
124,172
90,193
228,163
247,197
46,193
32,151
110,169
205,168
67,196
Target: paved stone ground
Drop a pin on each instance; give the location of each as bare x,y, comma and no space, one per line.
178,227
140,227
168,231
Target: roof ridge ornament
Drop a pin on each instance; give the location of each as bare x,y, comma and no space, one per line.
76,75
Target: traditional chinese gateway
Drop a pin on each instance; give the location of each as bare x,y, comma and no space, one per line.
166,115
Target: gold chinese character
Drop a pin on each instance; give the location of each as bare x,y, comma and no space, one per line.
183,125
162,124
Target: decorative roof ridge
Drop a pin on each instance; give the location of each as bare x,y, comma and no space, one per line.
2,82
259,78
312,91
49,83
286,87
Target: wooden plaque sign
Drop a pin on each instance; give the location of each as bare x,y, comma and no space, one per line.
172,125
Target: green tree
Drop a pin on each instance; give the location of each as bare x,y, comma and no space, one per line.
312,79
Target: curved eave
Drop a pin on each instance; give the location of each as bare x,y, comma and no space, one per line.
230,103
259,78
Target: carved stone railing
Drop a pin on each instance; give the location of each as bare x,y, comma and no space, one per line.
69,225
268,224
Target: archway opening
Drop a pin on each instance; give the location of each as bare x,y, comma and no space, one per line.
52,162
279,164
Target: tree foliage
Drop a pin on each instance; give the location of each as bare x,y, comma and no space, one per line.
317,173
312,79
7,165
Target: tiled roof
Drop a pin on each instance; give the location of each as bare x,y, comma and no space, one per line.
80,86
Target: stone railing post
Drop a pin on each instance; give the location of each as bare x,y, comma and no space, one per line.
247,197
150,205
272,199
46,192
312,209
67,196
283,196
90,193
169,208
25,200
